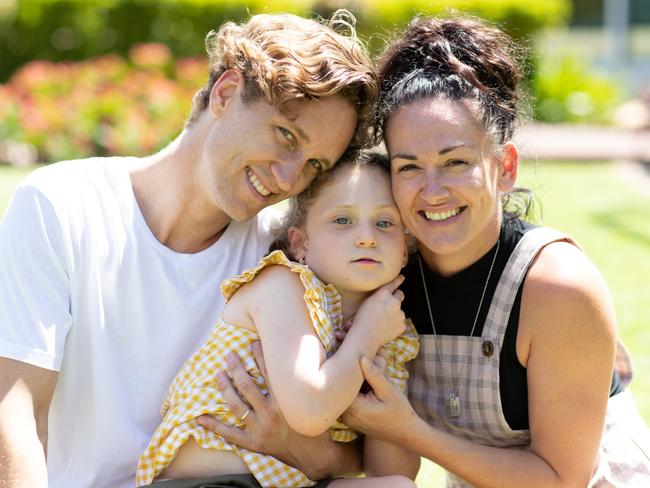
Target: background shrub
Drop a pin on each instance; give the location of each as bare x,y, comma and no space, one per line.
59,30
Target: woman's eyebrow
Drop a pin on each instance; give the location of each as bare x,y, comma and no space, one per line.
410,157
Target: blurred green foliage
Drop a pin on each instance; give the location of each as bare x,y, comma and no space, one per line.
59,30
567,90
111,77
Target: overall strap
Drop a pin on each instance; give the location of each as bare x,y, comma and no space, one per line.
513,275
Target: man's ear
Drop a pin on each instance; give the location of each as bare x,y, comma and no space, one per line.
297,242
228,86
508,167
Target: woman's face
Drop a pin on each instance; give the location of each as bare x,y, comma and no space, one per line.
446,181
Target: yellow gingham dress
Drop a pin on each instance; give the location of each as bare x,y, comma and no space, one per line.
194,391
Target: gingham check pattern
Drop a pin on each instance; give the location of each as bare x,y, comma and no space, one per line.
482,418
194,391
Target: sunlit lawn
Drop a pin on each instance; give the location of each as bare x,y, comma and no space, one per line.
611,221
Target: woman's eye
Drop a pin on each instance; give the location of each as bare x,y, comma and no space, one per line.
341,220
406,167
384,224
316,164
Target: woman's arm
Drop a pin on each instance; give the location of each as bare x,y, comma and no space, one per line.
311,390
567,342
383,458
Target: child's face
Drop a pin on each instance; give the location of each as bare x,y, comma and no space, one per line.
353,237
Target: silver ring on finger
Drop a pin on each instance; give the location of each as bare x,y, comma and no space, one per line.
243,417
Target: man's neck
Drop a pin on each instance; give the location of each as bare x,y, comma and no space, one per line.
173,206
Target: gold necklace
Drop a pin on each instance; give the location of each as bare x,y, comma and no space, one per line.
452,403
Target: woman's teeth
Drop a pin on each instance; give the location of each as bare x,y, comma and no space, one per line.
261,189
437,216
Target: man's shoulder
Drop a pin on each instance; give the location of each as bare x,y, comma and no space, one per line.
65,176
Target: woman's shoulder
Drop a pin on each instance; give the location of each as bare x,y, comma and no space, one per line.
565,294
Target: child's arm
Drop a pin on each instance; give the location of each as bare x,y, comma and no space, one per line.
383,458
311,390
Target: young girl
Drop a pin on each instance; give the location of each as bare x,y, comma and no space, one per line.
347,236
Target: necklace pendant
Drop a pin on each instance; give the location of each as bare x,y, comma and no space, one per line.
452,405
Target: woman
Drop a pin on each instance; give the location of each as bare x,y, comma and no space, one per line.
514,380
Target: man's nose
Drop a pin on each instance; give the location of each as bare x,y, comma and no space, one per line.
288,171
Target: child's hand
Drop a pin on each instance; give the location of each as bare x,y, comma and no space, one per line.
380,315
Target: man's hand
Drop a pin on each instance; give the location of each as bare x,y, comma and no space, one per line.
268,432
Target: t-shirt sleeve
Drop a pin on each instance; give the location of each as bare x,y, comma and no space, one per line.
34,282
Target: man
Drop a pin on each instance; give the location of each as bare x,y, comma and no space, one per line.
110,267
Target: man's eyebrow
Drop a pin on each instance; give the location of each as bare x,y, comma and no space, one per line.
303,135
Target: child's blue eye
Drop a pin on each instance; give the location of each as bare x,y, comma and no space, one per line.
341,220
384,224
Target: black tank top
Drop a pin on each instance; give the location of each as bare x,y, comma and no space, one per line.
454,302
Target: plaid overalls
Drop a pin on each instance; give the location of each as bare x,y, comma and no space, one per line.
624,458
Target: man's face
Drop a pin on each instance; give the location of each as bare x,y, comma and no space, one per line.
255,155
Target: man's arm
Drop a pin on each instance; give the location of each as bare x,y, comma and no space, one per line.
268,432
25,395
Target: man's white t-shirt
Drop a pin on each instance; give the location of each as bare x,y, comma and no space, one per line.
87,290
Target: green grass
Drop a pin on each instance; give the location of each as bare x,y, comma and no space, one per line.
607,216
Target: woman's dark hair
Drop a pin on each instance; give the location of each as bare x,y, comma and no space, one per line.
300,204
457,59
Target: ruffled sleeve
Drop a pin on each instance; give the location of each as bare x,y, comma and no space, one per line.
323,302
399,352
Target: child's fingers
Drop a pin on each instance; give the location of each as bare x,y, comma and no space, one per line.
394,284
381,359
399,294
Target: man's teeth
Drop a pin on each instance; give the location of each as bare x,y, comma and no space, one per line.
436,216
261,189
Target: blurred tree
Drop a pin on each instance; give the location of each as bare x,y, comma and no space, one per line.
77,29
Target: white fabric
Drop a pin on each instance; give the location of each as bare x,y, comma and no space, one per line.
87,290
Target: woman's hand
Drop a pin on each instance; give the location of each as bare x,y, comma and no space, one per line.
267,431
384,412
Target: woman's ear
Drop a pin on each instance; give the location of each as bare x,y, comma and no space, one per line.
297,242
508,167
224,90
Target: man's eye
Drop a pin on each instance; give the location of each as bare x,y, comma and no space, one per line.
456,162
288,135
316,164
384,224
341,220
